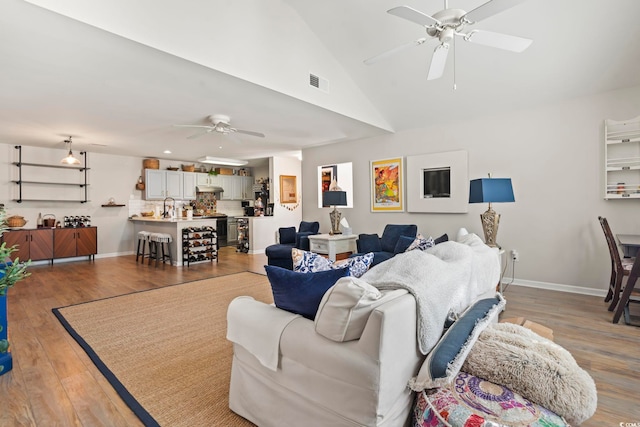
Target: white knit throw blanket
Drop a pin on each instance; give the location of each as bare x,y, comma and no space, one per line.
445,278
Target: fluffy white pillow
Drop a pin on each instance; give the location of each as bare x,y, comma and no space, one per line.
346,306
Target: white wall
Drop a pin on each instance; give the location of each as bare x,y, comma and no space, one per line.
109,176
554,157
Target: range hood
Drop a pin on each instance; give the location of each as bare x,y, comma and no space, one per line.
208,189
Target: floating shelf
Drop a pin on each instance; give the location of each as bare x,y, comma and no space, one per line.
20,182
111,205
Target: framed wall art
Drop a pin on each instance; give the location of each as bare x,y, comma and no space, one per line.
438,182
343,174
288,189
387,186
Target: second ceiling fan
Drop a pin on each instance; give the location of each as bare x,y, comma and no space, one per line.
448,23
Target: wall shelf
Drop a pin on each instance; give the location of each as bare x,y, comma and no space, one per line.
111,205
21,182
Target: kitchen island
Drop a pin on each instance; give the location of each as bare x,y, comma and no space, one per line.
173,227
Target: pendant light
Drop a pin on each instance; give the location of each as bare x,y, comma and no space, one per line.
70,159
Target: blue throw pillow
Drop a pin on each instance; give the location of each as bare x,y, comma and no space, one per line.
287,235
403,244
445,360
301,293
368,243
441,239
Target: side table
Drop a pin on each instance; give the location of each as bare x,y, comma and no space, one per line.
335,247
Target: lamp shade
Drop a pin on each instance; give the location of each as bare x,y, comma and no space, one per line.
491,190
334,198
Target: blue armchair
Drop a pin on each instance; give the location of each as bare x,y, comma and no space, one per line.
280,253
395,239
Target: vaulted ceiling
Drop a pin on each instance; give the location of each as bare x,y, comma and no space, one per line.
117,75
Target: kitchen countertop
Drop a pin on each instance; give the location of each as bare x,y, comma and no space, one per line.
197,218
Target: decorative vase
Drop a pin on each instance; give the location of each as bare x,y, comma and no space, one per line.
6,362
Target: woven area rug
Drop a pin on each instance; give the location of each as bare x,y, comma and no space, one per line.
164,350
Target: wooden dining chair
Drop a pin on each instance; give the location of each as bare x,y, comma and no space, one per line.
631,293
620,267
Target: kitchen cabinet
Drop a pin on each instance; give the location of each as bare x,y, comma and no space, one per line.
71,242
236,187
188,185
35,245
161,184
229,184
208,180
247,187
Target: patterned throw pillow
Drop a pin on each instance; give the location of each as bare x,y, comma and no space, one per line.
472,401
421,243
309,262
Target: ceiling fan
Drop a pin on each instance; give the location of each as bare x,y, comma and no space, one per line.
220,124
448,23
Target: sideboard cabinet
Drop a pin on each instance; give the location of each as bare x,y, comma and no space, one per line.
35,245
52,243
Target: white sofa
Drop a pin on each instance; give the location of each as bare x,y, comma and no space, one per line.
320,382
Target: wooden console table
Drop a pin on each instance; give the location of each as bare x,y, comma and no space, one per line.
335,247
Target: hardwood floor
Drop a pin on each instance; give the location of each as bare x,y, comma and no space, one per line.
54,382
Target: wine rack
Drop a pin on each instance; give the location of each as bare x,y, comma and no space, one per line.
199,244
243,235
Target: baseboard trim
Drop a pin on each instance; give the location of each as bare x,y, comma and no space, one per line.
555,287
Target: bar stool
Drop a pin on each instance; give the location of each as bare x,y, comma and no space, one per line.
157,243
143,239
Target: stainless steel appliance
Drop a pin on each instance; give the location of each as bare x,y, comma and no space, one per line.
221,229
232,231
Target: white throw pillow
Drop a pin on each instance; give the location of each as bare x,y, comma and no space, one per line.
346,306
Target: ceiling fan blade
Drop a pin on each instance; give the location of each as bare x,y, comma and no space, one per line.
198,135
248,132
438,61
490,8
395,50
413,15
500,41
193,126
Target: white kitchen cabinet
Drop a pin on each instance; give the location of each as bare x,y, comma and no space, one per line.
188,185
247,187
160,184
208,180
231,188
235,187
622,159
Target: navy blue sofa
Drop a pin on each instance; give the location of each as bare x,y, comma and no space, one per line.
280,253
395,239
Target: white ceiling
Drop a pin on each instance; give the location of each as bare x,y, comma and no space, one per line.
61,77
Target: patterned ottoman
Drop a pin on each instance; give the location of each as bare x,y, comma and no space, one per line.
473,402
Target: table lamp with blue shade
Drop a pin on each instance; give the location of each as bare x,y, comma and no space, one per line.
490,190
334,197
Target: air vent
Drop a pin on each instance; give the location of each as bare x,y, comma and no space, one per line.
319,82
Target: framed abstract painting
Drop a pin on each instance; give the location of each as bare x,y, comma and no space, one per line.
387,185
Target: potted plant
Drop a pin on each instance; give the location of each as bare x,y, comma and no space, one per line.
10,273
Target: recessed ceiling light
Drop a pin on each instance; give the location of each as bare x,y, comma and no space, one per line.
167,151
221,161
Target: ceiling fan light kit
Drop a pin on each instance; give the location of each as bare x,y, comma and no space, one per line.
448,23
